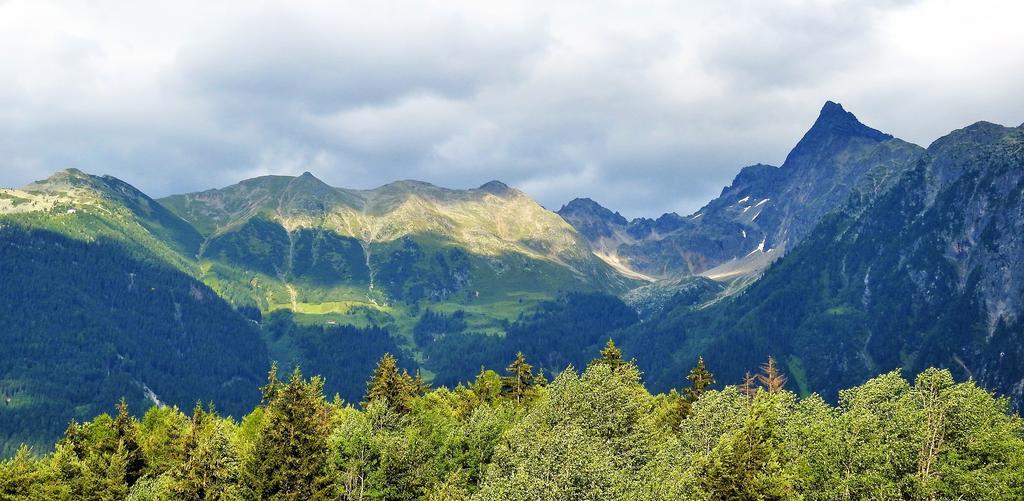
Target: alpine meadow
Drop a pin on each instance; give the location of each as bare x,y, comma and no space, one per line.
221,276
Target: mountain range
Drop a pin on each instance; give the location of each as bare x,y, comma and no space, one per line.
860,253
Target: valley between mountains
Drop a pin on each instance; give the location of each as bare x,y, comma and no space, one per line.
859,254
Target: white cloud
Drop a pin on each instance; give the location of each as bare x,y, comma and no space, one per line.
646,107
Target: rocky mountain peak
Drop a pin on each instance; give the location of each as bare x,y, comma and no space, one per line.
308,182
835,128
833,118
496,187
591,219
62,180
585,207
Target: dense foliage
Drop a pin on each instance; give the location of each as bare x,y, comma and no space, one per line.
595,435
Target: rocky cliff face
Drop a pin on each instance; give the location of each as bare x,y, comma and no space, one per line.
765,210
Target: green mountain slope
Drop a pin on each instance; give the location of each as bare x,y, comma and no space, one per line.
359,256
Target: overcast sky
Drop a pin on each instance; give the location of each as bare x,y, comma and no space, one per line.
647,107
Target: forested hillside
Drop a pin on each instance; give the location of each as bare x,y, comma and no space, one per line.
595,435
84,324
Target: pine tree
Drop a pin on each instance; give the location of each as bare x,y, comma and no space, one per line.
74,440
289,459
611,356
390,386
520,378
420,386
539,379
771,377
700,380
209,467
126,433
747,463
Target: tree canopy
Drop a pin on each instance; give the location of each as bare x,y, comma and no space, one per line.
598,434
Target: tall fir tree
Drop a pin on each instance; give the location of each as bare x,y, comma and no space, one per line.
391,386
700,380
519,380
209,466
125,428
289,459
611,356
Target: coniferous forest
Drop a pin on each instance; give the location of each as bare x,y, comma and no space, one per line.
590,433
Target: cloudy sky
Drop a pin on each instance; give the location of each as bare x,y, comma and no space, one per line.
646,107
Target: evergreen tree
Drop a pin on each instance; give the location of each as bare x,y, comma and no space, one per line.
126,433
391,386
519,380
488,385
749,386
539,380
420,386
611,356
209,466
27,477
289,459
748,463
700,380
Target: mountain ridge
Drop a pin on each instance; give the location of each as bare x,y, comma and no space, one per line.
764,211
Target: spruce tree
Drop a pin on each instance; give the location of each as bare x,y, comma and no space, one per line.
126,433
209,467
611,356
289,459
420,386
748,463
700,380
520,378
749,386
391,386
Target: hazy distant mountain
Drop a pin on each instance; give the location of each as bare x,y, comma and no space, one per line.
765,210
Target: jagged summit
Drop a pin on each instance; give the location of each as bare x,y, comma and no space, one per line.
835,128
763,212
496,187
592,220
581,206
837,120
